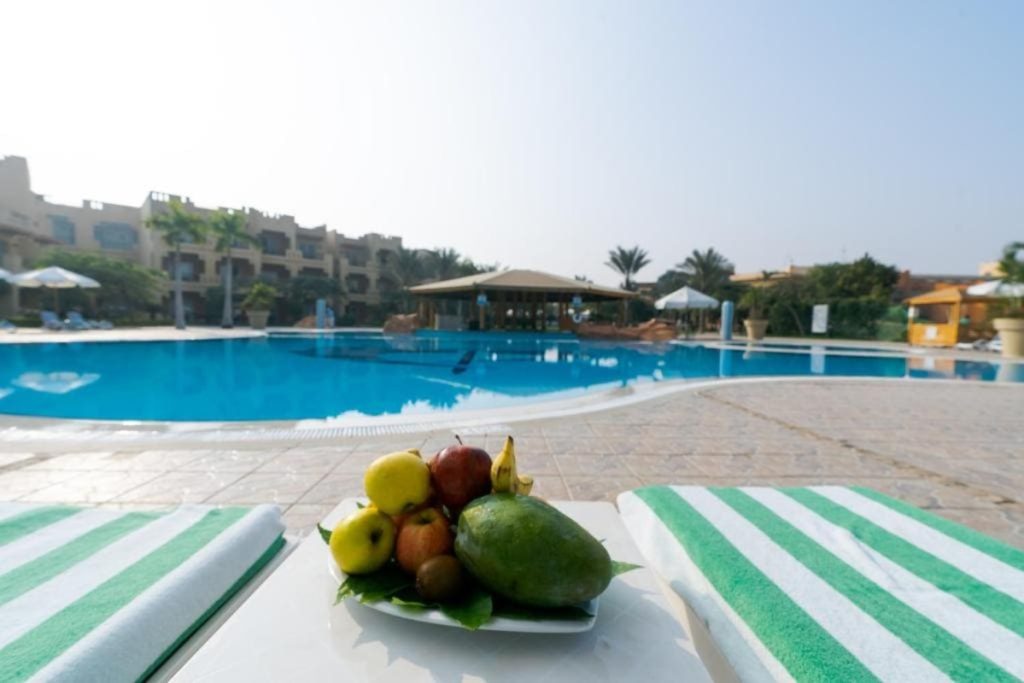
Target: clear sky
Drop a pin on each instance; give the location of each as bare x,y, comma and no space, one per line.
540,133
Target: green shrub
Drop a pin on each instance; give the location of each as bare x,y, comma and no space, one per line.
261,297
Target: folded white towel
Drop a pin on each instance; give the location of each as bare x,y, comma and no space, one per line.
108,595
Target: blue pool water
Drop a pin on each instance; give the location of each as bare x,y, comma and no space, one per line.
294,377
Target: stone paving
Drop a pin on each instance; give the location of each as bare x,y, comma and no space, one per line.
954,448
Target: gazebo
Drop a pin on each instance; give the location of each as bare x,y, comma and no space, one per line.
517,298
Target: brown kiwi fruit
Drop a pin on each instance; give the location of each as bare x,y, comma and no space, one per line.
440,578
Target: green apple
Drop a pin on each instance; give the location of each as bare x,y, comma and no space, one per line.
363,542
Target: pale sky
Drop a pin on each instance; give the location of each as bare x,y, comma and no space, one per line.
542,133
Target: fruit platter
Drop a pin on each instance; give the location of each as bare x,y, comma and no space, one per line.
459,541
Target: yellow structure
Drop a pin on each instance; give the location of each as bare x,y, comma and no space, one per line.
947,317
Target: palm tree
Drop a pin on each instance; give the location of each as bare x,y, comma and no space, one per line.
408,269
445,264
628,262
178,226
708,272
229,229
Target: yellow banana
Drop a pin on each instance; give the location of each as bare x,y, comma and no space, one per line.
503,469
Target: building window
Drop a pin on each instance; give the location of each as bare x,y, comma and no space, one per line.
63,228
115,236
274,243
187,270
310,250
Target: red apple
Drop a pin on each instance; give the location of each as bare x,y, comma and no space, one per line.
423,535
460,473
399,520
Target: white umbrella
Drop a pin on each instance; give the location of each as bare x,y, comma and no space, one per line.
55,278
996,288
686,298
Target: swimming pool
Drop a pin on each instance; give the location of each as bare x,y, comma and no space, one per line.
292,377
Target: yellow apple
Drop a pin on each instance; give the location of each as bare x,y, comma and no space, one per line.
396,483
363,542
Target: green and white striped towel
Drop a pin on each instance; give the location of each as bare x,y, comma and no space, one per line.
830,583
107,595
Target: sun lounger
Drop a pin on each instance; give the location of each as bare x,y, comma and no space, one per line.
834,583
108,595
50,320
75,321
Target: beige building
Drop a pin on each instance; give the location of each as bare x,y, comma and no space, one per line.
29,223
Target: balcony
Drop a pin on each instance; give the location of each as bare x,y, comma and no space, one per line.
312,251
190,266
275,243
357,284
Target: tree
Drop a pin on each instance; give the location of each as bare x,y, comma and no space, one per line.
1012,268
468,266
670,281
444,264
178,226
864,277
707,271
858,294
408,270
298,293
125,287
229,229
628,262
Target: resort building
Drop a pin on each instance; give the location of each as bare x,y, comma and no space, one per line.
759,278
29,223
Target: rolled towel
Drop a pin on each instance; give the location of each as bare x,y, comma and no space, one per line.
835,583
105,595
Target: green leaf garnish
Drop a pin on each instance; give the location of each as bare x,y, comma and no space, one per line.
360,505
623,567
473,611
411,604
373,587
324,533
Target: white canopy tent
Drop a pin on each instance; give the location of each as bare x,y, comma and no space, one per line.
686,298
997,288
55,278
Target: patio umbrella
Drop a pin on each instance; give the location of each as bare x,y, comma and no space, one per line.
55,278
684,299
996,288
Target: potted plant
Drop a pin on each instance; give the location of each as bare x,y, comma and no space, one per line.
754,300
1010,320
258,303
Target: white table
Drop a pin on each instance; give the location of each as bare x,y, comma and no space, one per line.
290,630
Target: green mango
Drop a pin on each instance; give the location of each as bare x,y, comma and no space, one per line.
527,551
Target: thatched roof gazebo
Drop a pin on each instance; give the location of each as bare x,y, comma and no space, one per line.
525,293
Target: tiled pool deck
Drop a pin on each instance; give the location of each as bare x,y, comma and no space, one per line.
954,448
